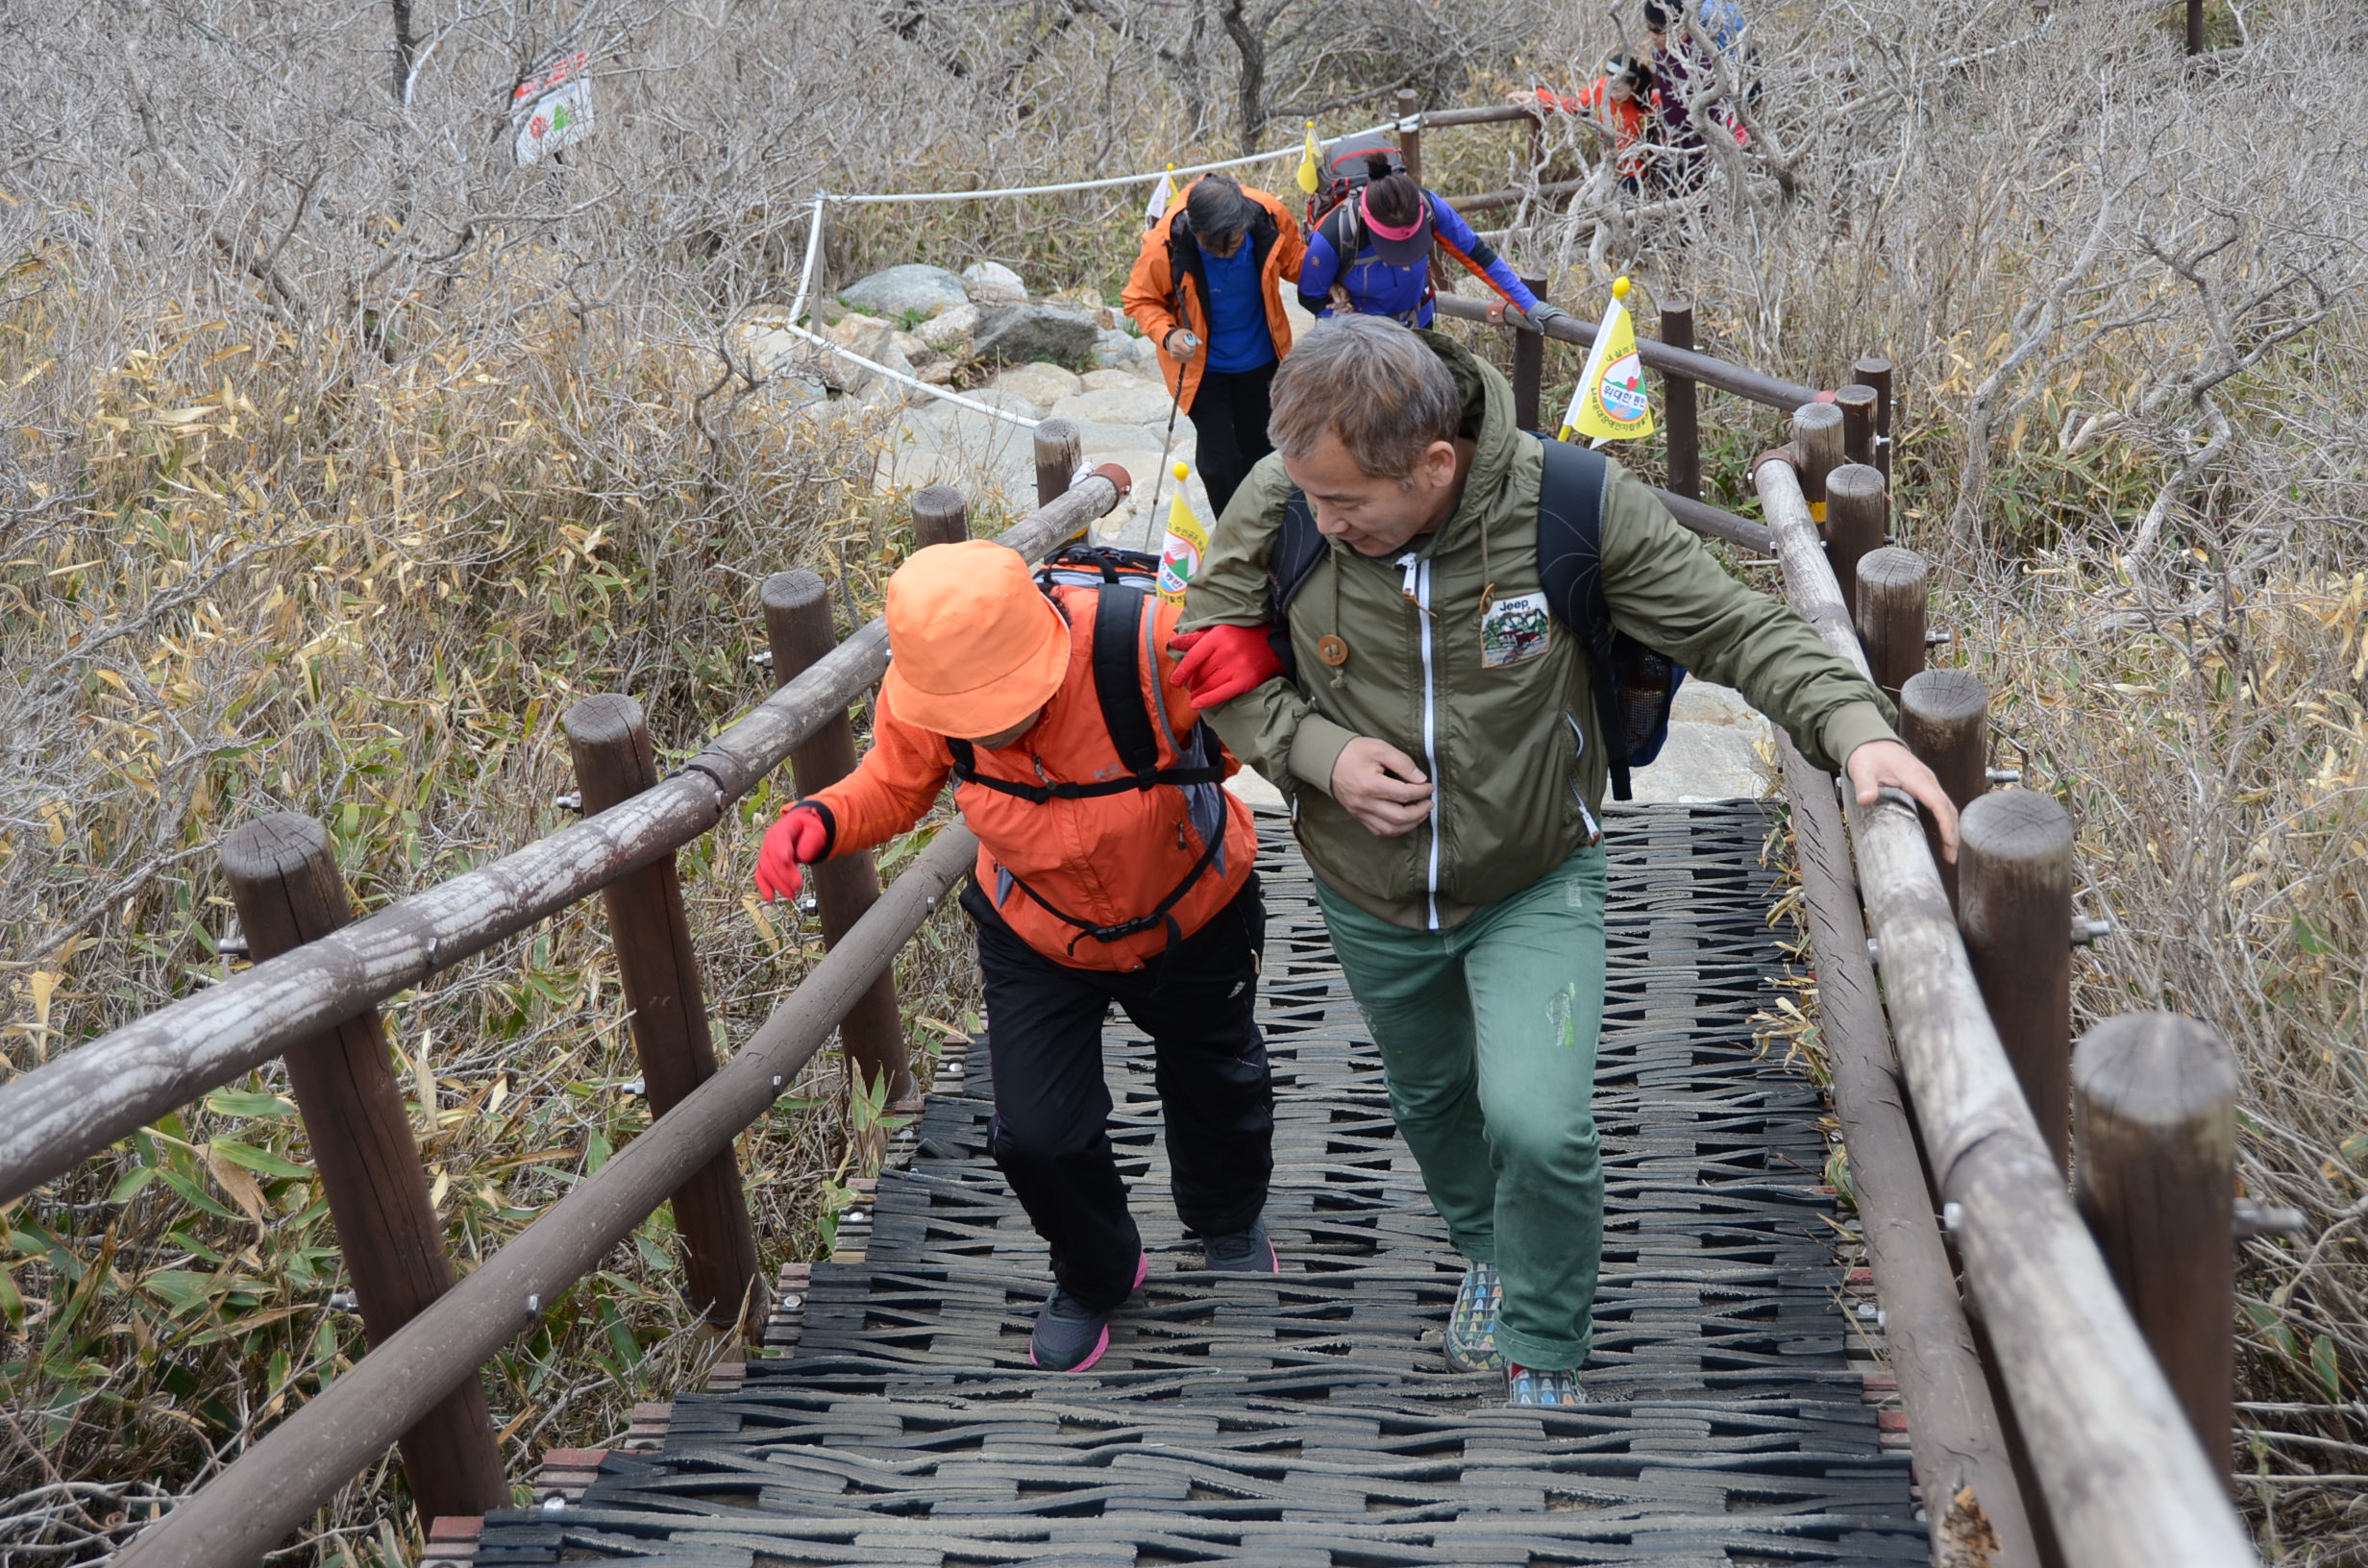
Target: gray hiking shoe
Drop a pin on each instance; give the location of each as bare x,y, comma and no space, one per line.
1472,1328
1536,1386
1067,1337
1244,1252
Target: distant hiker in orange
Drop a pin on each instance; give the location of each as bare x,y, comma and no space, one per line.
1620,102
1203,291
1113,866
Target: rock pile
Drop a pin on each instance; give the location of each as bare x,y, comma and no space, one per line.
1068,355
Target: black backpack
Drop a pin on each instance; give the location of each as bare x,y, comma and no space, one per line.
1345,172
1125,578
1634,685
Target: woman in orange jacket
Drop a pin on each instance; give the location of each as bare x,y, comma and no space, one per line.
1113,866
1204,291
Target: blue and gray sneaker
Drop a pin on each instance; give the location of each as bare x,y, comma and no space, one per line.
1244,1252
1472,1328
1535,1386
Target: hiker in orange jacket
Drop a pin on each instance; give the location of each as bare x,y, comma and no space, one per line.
1204,292
1113,866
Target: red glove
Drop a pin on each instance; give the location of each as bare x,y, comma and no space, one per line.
1222,663
802,834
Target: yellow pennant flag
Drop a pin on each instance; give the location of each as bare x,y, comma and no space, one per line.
1163,197
1610,403
1187,542
1311,163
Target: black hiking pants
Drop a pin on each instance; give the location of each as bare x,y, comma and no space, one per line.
1229,414
1050,1135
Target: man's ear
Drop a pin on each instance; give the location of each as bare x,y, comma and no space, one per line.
1438,463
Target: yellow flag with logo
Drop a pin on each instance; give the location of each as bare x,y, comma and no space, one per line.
1311,163
1610,403
1180,553
1163,197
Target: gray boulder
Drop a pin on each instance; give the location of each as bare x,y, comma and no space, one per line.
991,282
1021,333
953,329
911,286
1138,403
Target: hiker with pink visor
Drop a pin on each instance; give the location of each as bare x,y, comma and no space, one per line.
1371,255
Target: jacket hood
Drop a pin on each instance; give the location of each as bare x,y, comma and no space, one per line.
1488,423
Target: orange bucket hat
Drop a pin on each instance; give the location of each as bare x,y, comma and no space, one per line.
975,646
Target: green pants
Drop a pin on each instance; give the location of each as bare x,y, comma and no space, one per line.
1488,1041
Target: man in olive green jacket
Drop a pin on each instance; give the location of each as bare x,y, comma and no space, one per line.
1446,778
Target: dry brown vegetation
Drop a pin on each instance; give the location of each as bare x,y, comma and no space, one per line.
337,455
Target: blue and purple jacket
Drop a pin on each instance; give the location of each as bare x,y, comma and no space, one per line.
1377,288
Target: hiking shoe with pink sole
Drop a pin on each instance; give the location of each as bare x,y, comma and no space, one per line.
1070,1336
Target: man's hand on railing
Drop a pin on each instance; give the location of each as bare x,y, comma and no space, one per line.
802,834
1544,313
1880,765
1223,662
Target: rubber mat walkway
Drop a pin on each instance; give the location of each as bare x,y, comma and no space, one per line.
1308,1420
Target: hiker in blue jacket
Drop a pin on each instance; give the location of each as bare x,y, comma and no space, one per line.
1371,255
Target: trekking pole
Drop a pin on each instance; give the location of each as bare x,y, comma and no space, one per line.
1168,441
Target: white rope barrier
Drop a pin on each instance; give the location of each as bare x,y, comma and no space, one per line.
1115,181
915,382
823,201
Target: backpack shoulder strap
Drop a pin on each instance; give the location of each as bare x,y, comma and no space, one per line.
1297,549
1571,570
1570,541
1118,680
1344,230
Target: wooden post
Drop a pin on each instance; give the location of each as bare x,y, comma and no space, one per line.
2195,27
282,876
1059,449
1944,717
1410,136
672,1035
1817,427
939,517
2015,882
798,625
1528,367
1677,394
1857,403
1890,616
1857,512
2155,1131
1877,373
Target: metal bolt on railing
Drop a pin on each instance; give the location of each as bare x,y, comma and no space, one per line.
2001,777
570,802
2250,1219
2087,931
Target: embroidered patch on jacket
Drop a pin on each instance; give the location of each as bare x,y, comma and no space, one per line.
1514,631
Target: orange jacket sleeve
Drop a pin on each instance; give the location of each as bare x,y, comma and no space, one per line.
1290,245
892,788
1149,294
1175,700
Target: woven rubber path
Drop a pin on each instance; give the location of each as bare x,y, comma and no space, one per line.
1308,1420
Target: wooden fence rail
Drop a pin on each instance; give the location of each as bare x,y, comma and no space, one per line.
2127,1484
275,1486
77,1104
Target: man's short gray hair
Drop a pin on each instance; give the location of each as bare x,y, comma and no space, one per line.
1371,382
